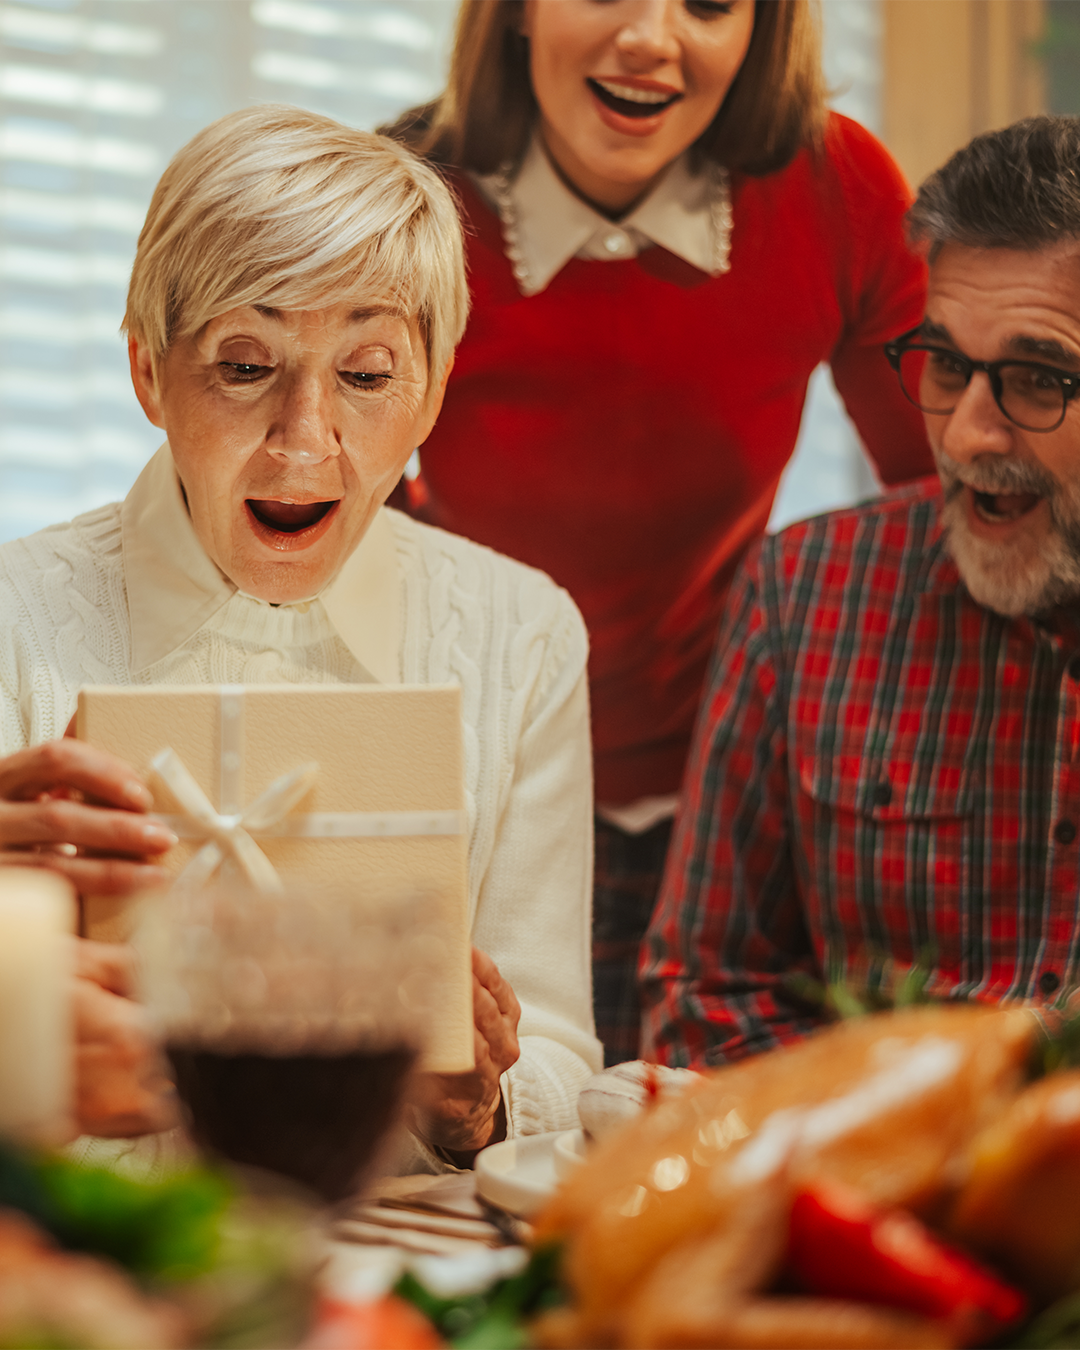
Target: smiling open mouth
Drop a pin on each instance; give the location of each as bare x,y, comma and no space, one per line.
288,517
997,508
630,102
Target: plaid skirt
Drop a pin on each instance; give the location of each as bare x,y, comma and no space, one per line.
629,869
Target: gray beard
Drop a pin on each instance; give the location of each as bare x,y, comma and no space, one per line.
1032,574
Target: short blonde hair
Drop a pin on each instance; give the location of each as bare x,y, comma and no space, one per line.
281,207
483,120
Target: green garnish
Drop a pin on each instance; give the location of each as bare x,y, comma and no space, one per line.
166,1230
495,1319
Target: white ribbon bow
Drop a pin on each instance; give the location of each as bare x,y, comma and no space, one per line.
229,835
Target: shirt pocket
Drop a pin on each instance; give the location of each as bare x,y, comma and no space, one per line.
887,843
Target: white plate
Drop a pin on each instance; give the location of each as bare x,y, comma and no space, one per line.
569,1153
518,1175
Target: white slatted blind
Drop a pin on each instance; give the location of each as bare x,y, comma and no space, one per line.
95,95
830,468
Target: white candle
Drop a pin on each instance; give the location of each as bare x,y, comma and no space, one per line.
37,918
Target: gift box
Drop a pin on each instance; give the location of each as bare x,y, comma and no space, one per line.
358,786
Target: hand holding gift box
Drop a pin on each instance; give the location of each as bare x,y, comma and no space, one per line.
70,808
358,787
121,1090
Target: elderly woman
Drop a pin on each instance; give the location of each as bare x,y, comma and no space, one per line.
295,301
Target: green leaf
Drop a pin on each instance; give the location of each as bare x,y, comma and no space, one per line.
843,1002
800,985
21,1188
166,1229
497,1329
1058,1328
35,1339
496,1319
1060,1043
912,988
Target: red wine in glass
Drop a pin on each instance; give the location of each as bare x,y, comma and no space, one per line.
317,1119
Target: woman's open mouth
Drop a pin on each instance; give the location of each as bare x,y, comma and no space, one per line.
629,101
288,525
1001,508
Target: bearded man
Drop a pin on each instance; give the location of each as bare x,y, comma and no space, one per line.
886,773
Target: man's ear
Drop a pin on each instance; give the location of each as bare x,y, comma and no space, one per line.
144,377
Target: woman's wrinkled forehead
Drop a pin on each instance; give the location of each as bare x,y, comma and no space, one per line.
368,296
358,310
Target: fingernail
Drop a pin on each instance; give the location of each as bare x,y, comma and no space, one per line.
159,837
137,794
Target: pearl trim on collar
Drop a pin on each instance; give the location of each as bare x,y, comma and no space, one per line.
720,221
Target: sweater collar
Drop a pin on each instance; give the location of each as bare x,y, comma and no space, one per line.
173,588
554,225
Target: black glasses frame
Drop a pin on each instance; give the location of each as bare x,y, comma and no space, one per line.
1067,383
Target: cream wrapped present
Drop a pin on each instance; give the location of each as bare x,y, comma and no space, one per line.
359,786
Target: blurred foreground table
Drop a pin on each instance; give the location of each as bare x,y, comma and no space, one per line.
434,1226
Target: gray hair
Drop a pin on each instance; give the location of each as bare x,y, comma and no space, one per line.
276,206
1017,188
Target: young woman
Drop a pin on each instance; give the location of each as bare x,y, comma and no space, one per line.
666,234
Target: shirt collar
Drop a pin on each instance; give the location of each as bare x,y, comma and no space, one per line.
553,224
173,588
938,571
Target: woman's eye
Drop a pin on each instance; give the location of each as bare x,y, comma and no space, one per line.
366,379
241,372
710,9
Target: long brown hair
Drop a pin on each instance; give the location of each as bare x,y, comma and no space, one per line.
484,117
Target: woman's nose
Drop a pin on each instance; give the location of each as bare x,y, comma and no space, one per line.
303,429
649,37
977,426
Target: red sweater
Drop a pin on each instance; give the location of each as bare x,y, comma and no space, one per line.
626,428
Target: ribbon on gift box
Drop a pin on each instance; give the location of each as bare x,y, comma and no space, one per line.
232,830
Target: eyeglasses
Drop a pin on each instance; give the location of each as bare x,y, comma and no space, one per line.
1031,395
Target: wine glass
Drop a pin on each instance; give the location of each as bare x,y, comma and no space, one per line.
292,1021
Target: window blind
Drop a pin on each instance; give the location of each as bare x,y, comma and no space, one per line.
95,96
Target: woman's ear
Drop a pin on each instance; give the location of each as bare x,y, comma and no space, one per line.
144,376
433,404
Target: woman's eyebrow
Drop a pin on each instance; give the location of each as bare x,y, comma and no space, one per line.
376,312
355,316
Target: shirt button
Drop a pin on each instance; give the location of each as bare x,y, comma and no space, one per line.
1074,668
882,794
616,242
1048,982
1064,831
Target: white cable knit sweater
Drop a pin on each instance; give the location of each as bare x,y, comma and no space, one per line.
513,641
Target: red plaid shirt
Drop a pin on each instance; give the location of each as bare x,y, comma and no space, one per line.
884,773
